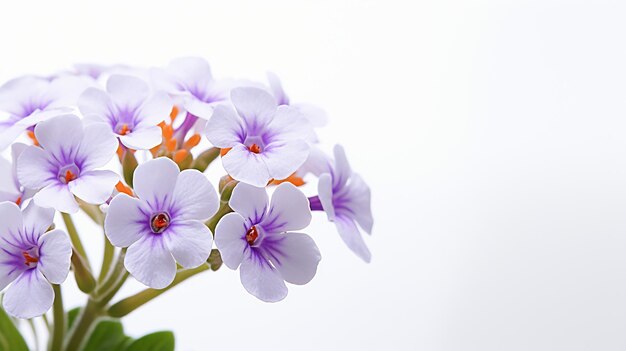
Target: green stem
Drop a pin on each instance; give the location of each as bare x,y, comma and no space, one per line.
45,321
81,327
132,303
71,230
33,328
59,320
115,273
109,251
223,210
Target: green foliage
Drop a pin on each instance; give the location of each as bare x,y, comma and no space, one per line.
160,341
10,337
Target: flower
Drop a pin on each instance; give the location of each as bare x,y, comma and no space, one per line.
10,187
165,224
263,141
315,115
346,199
258,240
65,164
190,79
128,107
31,259
29,100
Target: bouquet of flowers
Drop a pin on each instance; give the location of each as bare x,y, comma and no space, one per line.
129,147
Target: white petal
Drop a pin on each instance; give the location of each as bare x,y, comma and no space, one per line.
342,170
142,139
225,128
57,196
256,106
315,115
127,220
261,279
7,179
155,110
194,197
97,147
350,235
60,136
55,252
29,296
11,224
189,242
9,271
191,71
155,181
97,105
36,168
127,92
150,262
360,202
230,239
325,191
246,166
296,257
284,158
37,219
289,210
94,187
198,108
250,202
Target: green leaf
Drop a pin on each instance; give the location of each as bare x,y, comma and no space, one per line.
71,316
108,336
10,337
160,341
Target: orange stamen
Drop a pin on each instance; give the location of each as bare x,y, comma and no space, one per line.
123,189
28,259
254,148
192,142
18,201
168,131
125,130
252,235
224,151
293,179
180,155
171,144
69,176
174,113
120,151
32,137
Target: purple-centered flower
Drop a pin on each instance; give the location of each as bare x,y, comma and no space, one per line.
130,109
257,239
66,163
31,259
10,187
346,199
29,100
265,141
165,224
315,115
190,79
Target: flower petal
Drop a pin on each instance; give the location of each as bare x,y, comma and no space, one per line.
29,296
225,129
94,187
55,252
261,279
155,109
295,256
142,139
7,179
277,89
127,92
256,106
60,136
250,202
289,210
57,196
359,202
127,220
9,270
230,239
189,242
342,171
150,262
37,219
97,147
194,197
246,166
96,105
350,234
284,158
191,71
36,168
155,181
325,191
11,224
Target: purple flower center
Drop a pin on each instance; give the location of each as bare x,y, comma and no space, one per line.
68,173
252,235
160,222
31,257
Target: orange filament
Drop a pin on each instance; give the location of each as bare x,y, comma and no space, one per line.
224,151
252,235
18,201
174,113
168,131
293,179
123,189
120,151
254,148
28,259
125,130
192,142
32,137
180,155
69,176
171,144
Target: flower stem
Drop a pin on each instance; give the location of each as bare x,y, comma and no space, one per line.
33,328
132,303
84,322
223,210
71,230
109,251
58,313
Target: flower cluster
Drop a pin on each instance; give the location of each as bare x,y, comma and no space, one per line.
130,147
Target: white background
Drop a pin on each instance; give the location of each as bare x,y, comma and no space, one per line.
492,135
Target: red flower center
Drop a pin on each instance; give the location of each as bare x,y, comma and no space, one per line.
252,235
254,148
160,222
28,259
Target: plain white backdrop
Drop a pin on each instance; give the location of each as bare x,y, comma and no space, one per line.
492,134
